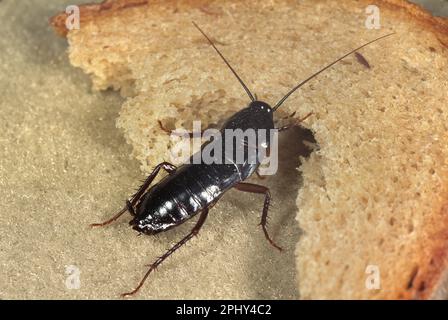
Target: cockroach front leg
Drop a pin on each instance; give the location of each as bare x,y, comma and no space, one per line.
283,128
130,204
159,260
190,134
255,188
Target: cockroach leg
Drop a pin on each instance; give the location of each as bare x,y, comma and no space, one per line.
286,118
193,232
168,167
289,126
115,217
130,208
163,127
190,134
305,117
255,188
283,128
290,116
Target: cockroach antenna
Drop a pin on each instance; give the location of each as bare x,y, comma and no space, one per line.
226,62
325,68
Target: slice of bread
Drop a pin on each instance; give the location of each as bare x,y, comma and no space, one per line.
374,202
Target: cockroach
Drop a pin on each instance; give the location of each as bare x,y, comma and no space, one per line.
194,188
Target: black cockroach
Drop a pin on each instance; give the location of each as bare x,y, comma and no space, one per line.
194,188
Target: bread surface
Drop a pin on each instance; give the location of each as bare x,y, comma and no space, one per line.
375,191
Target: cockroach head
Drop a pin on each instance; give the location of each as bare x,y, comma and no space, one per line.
260,106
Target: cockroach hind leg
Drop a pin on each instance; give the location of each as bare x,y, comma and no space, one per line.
129,294
130,208
266,234
159,260
168,167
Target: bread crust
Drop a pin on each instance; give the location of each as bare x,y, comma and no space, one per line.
438,25
90,12
424,281
431,279
108,8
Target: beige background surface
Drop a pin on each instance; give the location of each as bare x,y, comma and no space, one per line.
64,165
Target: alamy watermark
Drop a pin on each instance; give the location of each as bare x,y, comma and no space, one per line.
228,146
73,279
373,280
73,20
373,17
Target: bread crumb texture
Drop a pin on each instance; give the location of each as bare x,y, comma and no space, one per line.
375,192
